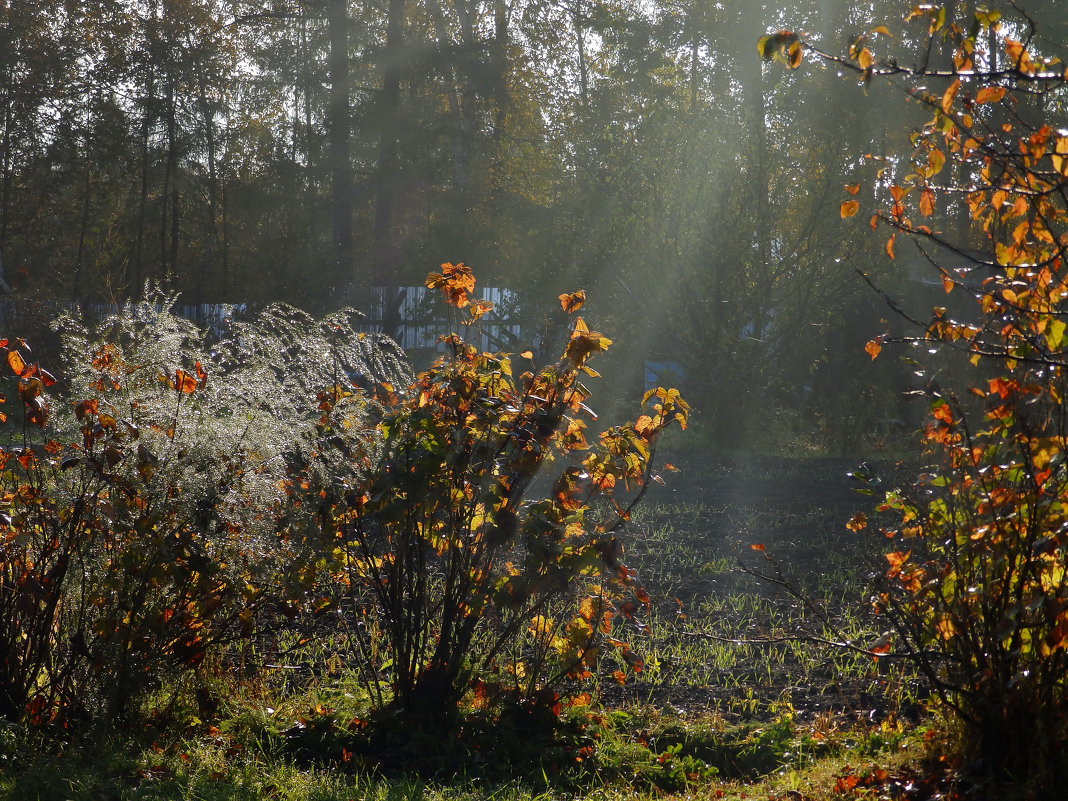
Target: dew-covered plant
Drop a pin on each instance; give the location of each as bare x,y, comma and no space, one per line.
161,509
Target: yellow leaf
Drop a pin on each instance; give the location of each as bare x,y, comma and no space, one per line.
1055,334
764,47
936,159
793,55
946,629
586,608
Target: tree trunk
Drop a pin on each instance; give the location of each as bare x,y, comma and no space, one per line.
5,170
384,268
580,37
83,229
168,255
459,155
137,256
214,245
339,134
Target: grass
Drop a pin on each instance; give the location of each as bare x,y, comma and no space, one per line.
641,753
736,698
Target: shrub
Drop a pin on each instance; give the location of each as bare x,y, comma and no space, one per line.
977,586
978,592
160,514
483,577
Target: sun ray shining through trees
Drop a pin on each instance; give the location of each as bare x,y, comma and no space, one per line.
291,498
253,151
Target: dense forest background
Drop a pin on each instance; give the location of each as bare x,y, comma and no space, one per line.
305,150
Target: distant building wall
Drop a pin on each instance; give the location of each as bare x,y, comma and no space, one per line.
423,317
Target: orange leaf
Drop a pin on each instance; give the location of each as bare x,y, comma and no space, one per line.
85,407
874,347
927,202
573,302
184,382
14,359
857,522
849,208
890,246
950,95
990,94
852,188
757,546
897,559
942,412
645,426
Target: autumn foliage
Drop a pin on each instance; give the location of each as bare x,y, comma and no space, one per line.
179,502
109,585
486,578
976,586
